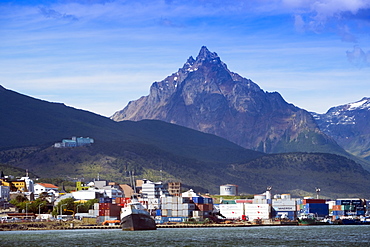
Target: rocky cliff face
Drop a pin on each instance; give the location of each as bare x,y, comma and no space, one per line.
349,125
206,96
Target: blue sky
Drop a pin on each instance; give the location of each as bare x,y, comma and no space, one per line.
98,55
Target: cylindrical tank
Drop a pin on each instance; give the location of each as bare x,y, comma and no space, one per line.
229,190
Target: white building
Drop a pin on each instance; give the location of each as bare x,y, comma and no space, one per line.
29,184
87,194
150,189
45,187
189,193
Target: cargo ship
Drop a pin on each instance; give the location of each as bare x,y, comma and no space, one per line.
134,217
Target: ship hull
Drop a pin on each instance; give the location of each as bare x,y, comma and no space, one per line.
138,222
306,222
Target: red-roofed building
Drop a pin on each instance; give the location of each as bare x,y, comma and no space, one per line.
45,187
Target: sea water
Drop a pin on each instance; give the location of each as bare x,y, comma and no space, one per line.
332,235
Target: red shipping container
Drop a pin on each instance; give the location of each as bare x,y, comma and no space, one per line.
319,201
101,212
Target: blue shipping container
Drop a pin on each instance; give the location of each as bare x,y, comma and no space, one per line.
321,209
158,212
338,212
199,200
105,200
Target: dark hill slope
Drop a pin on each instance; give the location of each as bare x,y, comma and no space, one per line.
26,121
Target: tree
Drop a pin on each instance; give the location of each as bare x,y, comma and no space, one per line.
67,204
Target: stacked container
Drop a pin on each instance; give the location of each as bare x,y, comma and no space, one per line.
285,207
315,206
176,207
355,207
257,211
232,211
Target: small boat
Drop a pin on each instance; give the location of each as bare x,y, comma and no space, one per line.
306,219
134,217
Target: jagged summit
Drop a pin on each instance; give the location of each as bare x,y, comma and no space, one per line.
206,96
205,54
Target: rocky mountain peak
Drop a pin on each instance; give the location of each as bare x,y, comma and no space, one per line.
206,96
205,54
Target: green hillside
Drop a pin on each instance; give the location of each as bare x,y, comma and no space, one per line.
335,175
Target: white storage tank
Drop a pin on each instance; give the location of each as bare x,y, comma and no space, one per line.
229,190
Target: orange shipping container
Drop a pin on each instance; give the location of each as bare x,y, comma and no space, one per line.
337,207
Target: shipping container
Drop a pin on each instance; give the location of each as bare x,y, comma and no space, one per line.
252,217
348,207
337,207
314,201
320,210
198,200
105,200
257,206
283,202
338,212
166,212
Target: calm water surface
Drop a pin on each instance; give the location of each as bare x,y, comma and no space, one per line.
245,236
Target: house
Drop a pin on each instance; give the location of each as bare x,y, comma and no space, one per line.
45,187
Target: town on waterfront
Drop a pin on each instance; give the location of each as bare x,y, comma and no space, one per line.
100,203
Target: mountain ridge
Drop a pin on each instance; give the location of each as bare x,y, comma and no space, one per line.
206,96
348,125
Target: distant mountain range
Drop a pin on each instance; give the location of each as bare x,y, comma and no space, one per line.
204,95
349,126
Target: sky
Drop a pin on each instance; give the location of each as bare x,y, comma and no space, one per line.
98,55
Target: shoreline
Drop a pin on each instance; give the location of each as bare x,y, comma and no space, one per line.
38,226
